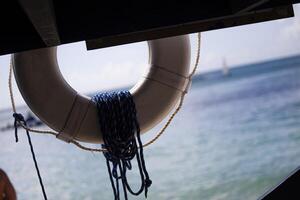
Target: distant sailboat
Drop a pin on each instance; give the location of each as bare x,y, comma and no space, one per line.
225,68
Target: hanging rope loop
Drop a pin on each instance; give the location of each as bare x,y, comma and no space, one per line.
121,136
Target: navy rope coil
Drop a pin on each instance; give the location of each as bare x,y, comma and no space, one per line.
121,135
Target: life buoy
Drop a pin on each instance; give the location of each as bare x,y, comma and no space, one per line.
74,115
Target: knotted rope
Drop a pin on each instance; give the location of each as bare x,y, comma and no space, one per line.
121,136
19,119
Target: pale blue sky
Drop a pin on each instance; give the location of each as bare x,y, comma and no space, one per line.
89,71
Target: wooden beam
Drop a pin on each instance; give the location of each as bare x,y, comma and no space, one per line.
199,26
40,23
239,6
42,16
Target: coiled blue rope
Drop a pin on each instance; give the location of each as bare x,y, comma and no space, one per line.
121,135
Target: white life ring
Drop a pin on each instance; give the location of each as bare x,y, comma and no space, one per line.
74,116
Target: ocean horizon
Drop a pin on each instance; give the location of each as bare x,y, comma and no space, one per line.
216,74
236,137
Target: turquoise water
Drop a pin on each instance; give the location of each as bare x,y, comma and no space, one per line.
235,138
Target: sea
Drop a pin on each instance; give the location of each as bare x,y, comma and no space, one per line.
236,137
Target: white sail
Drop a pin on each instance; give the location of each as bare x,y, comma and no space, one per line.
225,68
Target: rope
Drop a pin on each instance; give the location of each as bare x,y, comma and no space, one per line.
162,130
19,119
121,136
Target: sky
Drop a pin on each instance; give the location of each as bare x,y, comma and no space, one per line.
113,67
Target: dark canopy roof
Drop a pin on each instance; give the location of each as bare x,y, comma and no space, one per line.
30,24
